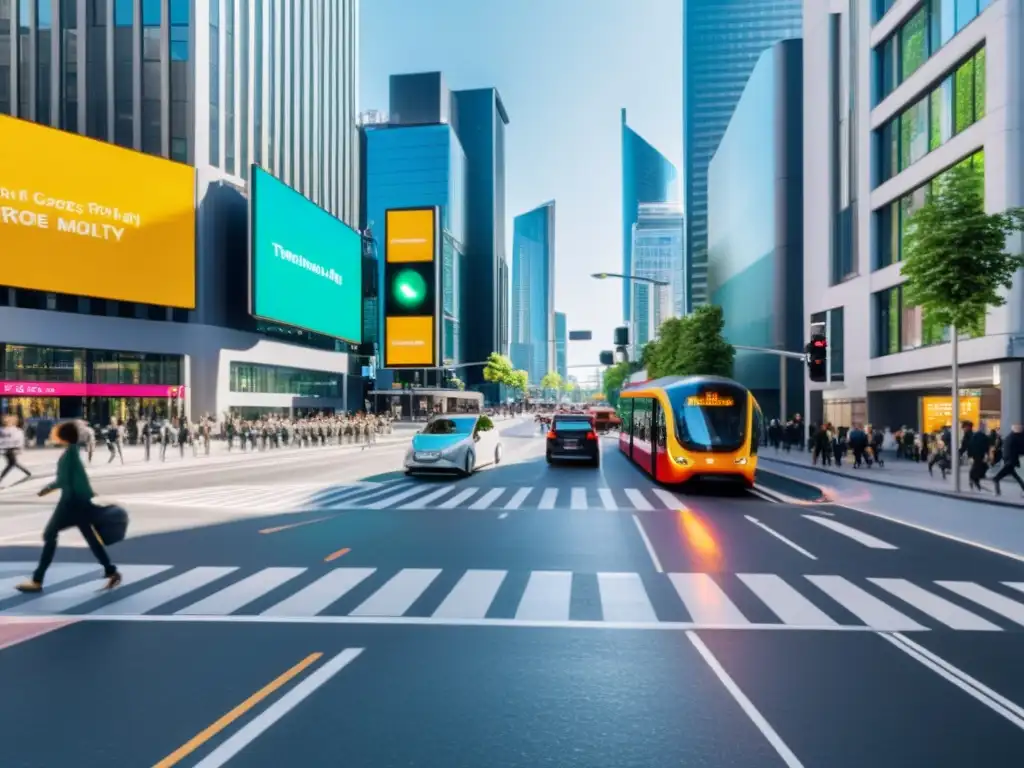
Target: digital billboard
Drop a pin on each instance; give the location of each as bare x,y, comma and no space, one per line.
411,264
86,218
306,265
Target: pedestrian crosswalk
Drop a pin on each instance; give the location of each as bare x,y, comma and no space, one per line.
407,495
531,598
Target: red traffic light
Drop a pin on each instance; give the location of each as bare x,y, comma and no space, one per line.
819,343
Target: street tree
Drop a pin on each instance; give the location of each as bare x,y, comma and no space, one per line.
552,382
498,369
458,383
691,346
956,264
519,381
615,379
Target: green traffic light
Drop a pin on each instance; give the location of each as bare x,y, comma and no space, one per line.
409,288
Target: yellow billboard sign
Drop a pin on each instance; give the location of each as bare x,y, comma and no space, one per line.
410,235
410,341
937,412
87,218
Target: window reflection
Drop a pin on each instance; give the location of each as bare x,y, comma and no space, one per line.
272,379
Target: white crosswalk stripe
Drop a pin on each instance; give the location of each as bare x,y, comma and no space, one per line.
697,600
849,531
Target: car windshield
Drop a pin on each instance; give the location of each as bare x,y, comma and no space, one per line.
710,416
572,425
459,426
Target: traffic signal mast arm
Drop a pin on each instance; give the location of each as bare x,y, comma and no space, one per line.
801,356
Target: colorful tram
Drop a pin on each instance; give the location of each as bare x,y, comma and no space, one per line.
681,428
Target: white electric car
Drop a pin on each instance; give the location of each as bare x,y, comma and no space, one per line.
457,443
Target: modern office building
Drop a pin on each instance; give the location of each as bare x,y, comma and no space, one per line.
561,346
909,90
422,163
647,177
533,292
215,84
657,241
447,148
755,228
479,119
722,41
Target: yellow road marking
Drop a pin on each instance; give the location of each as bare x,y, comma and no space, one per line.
336,555
279,528
208,733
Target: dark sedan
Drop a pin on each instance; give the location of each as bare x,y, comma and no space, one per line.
572,438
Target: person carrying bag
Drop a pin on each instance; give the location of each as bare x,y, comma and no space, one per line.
74,510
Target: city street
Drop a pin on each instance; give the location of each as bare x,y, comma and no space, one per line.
316,607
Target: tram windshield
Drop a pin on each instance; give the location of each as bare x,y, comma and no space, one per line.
710,416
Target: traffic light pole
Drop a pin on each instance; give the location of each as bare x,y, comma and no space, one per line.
783,355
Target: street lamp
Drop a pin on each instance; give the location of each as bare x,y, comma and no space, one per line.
634,278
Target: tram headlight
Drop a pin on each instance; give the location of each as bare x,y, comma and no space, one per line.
681,460
741,461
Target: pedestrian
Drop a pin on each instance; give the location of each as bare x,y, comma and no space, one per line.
12,441
115,437
1013,448
74,510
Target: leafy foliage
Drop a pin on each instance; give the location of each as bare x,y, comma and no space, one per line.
498,369
614,379
955,260
519,381
458,383
552,381
691,346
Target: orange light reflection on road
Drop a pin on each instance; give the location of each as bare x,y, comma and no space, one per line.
700,537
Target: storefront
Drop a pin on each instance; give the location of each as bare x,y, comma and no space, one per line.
421,404
51,383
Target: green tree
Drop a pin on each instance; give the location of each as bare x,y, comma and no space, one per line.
615,378
518,381
691,346
458,383
954,253
552,382
498,369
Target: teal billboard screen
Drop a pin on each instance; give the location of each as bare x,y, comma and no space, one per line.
306,265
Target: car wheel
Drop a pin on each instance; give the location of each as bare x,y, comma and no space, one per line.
468,469
497,454
550,460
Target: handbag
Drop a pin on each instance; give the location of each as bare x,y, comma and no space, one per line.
110,524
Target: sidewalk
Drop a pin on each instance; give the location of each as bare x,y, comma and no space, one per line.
976,519
909,475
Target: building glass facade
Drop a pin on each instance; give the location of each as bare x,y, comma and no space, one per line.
657,242
755,226
647,177
533,292
722,41
279,380
479,119
562,346
415,166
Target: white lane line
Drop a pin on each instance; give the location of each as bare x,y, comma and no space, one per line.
745,704
705,601
519,497
784,601
670,500
578,499
969,685
647,543
263,721
241,593
623,598
487,499
503,515
432,496
548,498
313,598
935,532
397,596
166,591
607,498
780,537
72,597
995,602
457,499
940,609
472,596
865,606
639,502
859,536
547,597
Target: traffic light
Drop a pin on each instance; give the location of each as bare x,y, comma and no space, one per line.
410,295
607,358
817,357
622,336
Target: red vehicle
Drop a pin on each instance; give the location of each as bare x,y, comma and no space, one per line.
604,417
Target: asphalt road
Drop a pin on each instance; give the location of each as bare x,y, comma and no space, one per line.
320,609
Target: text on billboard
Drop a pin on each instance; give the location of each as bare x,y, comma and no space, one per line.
301,261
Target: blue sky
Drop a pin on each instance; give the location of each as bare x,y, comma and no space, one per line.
564,69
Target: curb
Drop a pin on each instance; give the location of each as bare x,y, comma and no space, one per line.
784,498
892,484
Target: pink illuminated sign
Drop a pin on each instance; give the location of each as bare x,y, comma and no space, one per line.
77,389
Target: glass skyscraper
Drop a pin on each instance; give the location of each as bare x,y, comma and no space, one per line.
722,41
561,346
533,292
658,255
647,177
